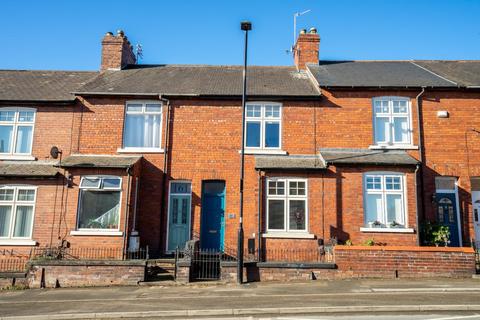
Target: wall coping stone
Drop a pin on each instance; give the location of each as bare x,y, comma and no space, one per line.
13,275
88,262
406,248
297,265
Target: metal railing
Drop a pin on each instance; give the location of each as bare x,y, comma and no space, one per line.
17,264
297,255
88,253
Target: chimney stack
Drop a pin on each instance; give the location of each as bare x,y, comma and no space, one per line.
306,49
117,52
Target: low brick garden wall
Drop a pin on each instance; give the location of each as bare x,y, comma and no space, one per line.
404,262
84,273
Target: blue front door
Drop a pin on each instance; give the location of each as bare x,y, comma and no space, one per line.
447,215
213,213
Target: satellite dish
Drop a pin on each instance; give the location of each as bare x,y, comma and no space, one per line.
54,152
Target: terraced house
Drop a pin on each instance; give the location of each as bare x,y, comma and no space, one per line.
148,155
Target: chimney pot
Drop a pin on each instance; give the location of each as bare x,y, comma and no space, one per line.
120,33
313,30
303,31
109,33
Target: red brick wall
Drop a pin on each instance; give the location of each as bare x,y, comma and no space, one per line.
406,262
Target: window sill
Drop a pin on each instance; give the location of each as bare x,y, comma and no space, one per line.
388,230
19,242
291,235
264,151
140,150
96,233
17,157
393,147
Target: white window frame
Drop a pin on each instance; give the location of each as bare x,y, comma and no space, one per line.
15,203
16,123
143,112
390,140
92,231
286,197
384,192
263,120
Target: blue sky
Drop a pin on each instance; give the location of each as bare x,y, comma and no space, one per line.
55,34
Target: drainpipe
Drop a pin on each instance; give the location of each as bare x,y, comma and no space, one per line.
260,206
417,169
165,167
420,209
127,212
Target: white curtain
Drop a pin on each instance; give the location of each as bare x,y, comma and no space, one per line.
23,221
394,208
5,216
142,131
374,208
24,139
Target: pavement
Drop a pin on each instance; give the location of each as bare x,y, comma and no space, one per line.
364,299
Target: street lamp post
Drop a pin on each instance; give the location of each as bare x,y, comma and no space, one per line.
245,26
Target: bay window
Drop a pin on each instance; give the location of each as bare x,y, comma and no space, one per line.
263,126
17,205
99,203
392,121
16,130
287,205
143,126
384,200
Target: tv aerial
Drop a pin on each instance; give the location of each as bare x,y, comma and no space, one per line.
295,16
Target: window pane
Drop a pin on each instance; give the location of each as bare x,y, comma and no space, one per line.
153,108
393,183
276,214
111,183
272,111
24,139
6,194
253,134
99,210
399,106
5,216
373,210
134,131
6,136
445,183
400,128
394,208
382,128
297,188
214,187
254,111
23,221
297,215
374,183
26,195
180,187
7,115
90,183
276,187
134,108
151,135
26,116
272,134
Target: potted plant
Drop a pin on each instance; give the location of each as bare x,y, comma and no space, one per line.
374,224
394,224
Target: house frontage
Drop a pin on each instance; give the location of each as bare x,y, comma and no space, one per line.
361,152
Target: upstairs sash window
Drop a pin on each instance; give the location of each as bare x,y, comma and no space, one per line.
263,125
392,121
143,125
16,130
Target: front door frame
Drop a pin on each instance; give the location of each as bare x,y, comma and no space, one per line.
457,204
222,222
168,211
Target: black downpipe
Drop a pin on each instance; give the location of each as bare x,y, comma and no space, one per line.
127,213
260,211
420,204
165,169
